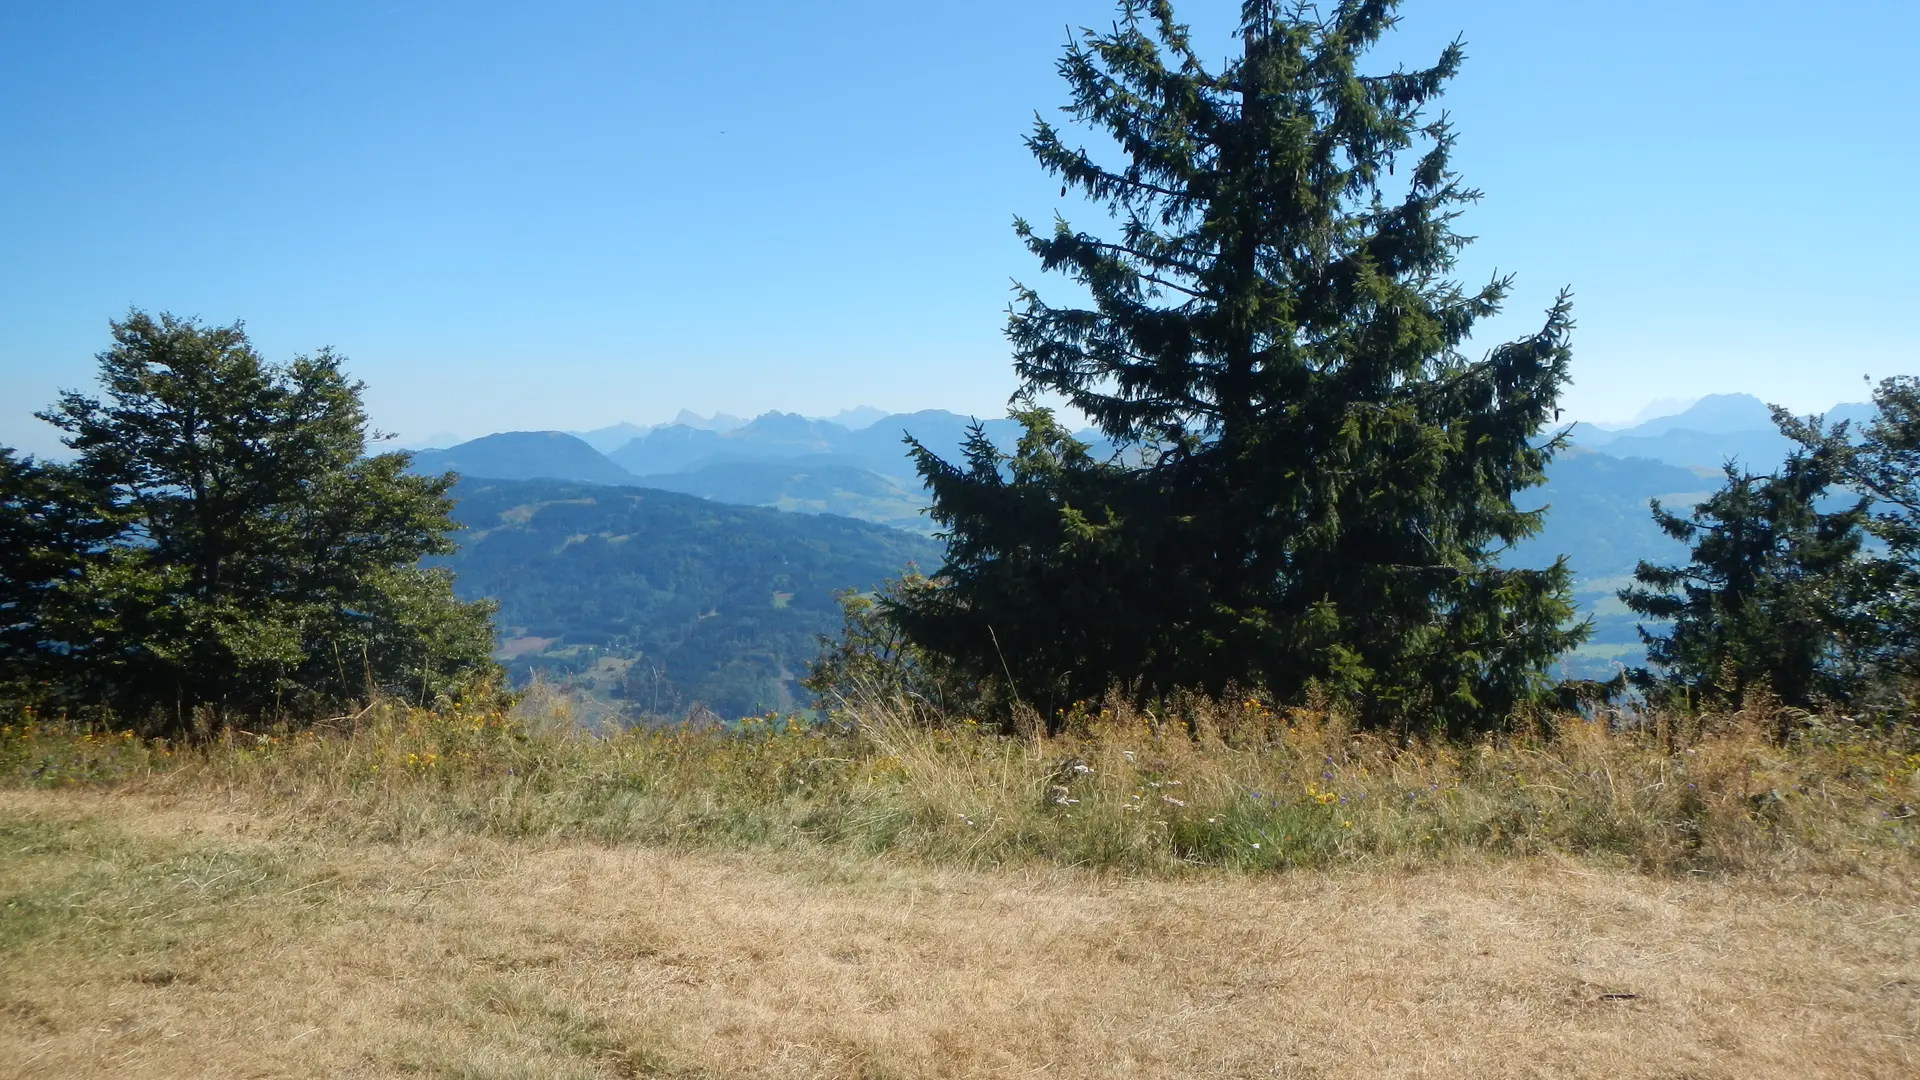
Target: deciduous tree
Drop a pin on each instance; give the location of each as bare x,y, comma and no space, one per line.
261,562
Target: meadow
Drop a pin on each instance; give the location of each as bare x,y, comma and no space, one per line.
1228,890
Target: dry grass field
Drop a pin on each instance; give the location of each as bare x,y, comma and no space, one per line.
359,904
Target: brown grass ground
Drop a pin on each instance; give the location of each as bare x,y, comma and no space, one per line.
181,936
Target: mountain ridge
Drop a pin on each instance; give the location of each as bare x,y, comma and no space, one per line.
524,455
1713,430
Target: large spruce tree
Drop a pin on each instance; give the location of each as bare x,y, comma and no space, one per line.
1314,483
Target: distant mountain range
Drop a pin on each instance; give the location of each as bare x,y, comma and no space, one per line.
614,436
856,466
1709,432
861,468
781,460
878,446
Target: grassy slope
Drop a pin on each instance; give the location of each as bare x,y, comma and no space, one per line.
454,895
178,937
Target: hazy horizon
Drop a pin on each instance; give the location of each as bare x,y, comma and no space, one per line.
440,440
1654,410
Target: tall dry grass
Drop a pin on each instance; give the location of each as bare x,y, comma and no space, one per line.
471,893
1217,784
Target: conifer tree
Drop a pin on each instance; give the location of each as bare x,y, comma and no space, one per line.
1880,461
1315,483
1769,597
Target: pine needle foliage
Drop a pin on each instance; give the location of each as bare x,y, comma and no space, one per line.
1314,482
1768,599
1880,461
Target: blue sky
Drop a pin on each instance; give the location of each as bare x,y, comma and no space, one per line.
563,214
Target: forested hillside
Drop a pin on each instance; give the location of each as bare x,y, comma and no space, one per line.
663,600
1597,512
810,485
1597,516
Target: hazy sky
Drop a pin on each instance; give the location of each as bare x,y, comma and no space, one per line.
564,214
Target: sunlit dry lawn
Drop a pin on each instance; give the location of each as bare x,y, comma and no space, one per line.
188,936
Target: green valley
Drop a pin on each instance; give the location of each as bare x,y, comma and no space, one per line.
661,602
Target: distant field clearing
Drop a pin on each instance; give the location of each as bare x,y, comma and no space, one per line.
523,646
